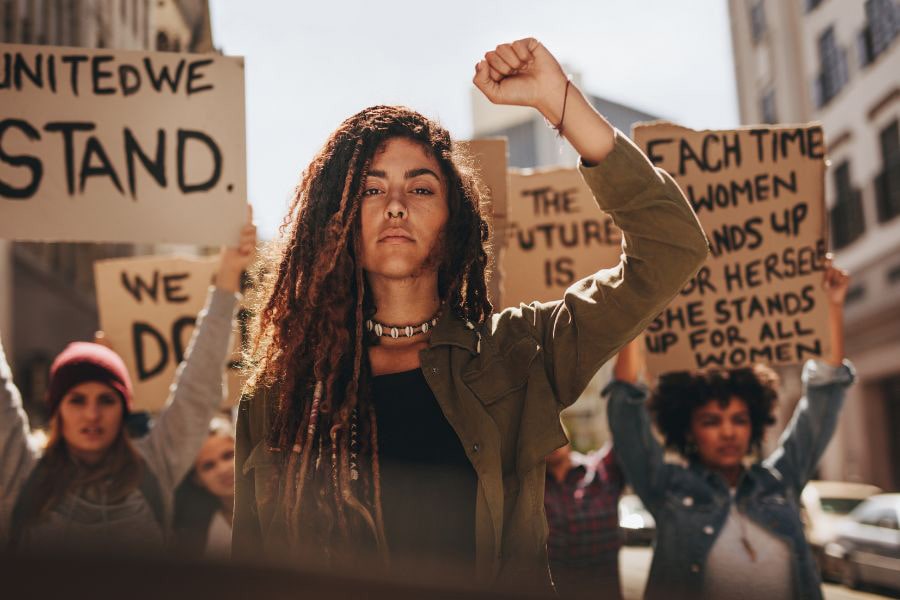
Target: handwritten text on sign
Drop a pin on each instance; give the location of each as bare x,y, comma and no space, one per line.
759,194
148,311
121,146
556,234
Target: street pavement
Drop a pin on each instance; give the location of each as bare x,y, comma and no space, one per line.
634,565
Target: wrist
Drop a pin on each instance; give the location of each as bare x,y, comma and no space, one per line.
551,103
228,280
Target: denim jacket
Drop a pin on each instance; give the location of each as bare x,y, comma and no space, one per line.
691,504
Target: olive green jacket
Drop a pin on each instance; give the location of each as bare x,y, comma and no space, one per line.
503,397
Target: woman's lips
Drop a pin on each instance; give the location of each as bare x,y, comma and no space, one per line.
92,432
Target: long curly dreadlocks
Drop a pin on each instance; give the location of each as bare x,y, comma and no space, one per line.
310,338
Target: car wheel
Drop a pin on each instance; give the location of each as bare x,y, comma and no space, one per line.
850,574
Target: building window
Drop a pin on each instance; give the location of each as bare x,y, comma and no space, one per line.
847,222
145,16
887,182
882,26
46,16
162,41
768,107
758,21
812,4
75,23
134,16
9,20
833,68
61,39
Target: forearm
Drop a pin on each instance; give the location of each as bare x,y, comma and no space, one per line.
638,452
17,456
196,393
587,130
836,330
814,420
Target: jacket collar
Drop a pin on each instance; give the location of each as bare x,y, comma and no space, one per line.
748,476
451,330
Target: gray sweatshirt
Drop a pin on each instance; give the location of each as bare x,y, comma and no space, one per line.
88,523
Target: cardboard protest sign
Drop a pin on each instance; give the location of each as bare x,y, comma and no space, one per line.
121,146
148,310
759,194
556,234
490,157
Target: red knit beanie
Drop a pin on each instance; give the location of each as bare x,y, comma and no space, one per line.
85,361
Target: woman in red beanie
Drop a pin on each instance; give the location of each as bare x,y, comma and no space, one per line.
92,488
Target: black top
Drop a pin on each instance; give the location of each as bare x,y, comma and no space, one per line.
428,485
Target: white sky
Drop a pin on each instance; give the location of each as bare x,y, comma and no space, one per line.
311,64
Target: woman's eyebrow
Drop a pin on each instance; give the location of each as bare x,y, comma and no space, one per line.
408,175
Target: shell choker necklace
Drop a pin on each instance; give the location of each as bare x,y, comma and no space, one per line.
397,331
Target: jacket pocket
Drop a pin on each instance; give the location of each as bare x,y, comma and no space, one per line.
506,373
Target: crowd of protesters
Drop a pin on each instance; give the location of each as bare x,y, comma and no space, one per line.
393,416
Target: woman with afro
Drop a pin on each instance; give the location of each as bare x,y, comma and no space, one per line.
727,528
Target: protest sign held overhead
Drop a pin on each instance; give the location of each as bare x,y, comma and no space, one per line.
759,194
148,310
555,235
121,146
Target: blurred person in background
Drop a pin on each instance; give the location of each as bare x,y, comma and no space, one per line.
724,529
581,500
92,488
204,502
392,416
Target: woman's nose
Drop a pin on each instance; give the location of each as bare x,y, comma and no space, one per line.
396,207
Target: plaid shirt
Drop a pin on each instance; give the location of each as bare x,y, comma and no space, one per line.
583,512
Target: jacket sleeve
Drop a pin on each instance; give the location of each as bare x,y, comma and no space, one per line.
663,246
18,454
813,423
640,454
197,392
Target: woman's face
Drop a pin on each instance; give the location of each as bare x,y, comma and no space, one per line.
215,466
722,434
404,211
91,416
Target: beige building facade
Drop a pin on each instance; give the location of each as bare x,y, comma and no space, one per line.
838,62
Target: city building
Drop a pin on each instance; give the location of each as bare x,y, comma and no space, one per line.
838,62
47,296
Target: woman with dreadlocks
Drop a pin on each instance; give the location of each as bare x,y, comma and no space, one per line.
391,411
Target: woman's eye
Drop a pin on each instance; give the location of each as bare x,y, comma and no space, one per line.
371,191
78,400
207,466
228,455
107,400
423,191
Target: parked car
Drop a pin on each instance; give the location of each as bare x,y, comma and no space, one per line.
636,522
866,549
824,505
